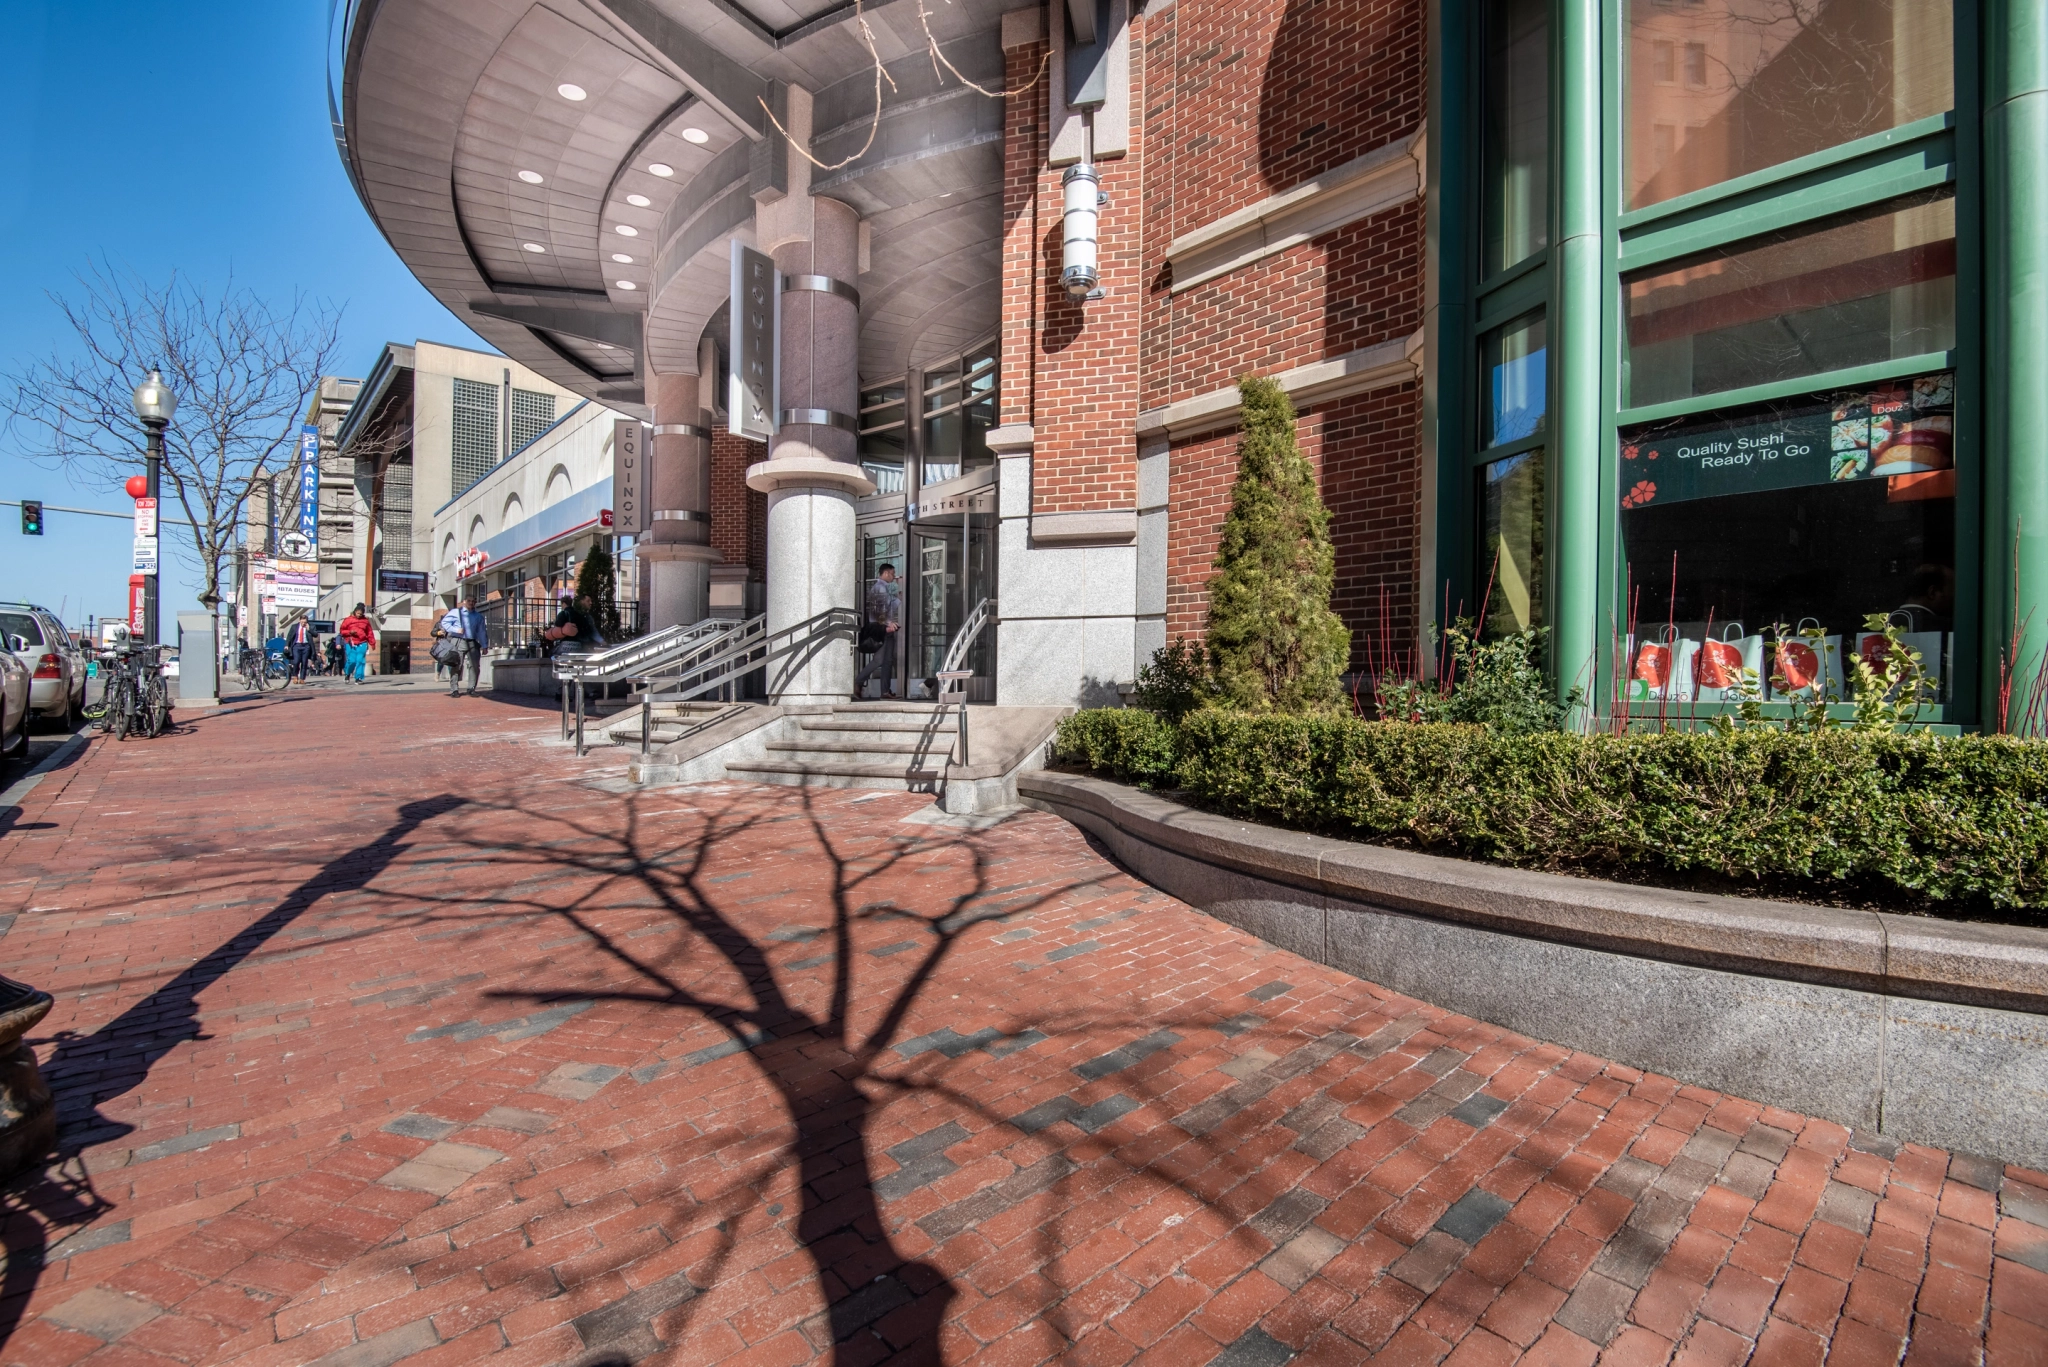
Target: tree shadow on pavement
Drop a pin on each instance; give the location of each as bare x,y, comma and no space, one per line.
821,1062
830,1064
88,1070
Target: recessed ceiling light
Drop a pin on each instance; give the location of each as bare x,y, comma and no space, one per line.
569,90
622,258
626,285
533,247
530,177
638,201
696,135
662,169
626,230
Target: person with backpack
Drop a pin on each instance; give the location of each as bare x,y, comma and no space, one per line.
356,635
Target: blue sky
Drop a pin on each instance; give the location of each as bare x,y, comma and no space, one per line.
226,104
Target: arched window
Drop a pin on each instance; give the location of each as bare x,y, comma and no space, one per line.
476,529
448,548
513,512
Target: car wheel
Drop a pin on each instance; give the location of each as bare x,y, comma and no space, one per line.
20,748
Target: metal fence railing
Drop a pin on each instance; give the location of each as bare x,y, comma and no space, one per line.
516,623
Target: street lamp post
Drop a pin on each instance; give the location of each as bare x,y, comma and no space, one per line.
154,404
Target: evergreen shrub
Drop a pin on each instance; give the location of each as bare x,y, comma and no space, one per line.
1835,811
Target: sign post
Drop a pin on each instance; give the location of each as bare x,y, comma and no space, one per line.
756,346
145,537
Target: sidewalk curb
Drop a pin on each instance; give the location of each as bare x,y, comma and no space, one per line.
13,793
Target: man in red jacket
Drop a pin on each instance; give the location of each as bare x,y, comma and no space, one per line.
356,635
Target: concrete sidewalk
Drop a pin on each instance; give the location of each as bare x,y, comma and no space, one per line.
389,1031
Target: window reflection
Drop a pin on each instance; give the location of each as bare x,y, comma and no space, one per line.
883,437
959,411
1510,568
1870,287
1514,358
1516,135
1719,88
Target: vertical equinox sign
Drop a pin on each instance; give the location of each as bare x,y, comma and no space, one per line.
756,287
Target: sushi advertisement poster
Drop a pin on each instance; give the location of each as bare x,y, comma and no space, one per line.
1904,427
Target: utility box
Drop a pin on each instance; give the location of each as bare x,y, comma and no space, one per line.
198,660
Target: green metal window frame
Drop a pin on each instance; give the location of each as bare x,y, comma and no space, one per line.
1595,241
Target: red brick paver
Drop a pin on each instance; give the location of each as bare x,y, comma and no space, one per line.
388,1030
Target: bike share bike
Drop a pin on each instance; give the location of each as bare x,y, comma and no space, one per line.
134,698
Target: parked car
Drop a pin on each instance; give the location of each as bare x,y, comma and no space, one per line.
14,707
55,664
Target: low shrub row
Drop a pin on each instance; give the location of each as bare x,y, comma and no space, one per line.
1947,819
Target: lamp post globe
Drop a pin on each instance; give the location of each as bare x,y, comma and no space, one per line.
154,404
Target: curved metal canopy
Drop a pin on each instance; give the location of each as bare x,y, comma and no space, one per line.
566,175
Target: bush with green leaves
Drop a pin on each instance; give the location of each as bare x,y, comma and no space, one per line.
1498,683
1175,681
1836,811
597,580
1273,643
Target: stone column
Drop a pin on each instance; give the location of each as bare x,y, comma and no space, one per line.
676,551
812,474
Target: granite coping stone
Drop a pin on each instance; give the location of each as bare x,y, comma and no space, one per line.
1954,961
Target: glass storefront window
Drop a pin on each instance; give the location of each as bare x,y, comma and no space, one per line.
1513,361
883,438
1814,513
1719,88
1515,139
959,411
1870,287
1510,568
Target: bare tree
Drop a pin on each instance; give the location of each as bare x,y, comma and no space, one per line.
244,370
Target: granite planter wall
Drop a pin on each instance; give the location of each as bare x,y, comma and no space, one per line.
1935,1031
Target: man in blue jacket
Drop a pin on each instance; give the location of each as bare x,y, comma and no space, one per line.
465,624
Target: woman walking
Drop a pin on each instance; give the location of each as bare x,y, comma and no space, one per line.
356,635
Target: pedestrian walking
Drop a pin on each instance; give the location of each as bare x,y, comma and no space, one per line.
298,639
463,623
356,636
884,614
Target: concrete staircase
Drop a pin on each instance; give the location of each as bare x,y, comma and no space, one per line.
860,745
671,722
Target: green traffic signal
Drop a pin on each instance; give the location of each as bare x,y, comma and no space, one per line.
31,517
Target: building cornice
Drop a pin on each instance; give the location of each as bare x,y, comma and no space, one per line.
1376,367
1379,180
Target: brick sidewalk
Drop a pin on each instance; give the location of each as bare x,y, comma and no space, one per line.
387,1030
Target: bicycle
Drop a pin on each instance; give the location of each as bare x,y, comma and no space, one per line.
254,671
136,697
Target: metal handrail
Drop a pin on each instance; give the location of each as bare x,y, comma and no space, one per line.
630,657
952,675
744,648
678,647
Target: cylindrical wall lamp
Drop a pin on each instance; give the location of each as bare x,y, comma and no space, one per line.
1082,189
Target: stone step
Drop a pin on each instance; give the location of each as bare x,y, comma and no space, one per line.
861,727
785,769
942,750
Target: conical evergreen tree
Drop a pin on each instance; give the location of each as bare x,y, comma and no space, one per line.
1273,642
597,580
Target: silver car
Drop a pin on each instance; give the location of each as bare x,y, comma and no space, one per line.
14,710
56,666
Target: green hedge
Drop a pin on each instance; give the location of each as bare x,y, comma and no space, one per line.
1958,818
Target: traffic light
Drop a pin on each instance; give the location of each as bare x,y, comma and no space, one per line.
31,517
